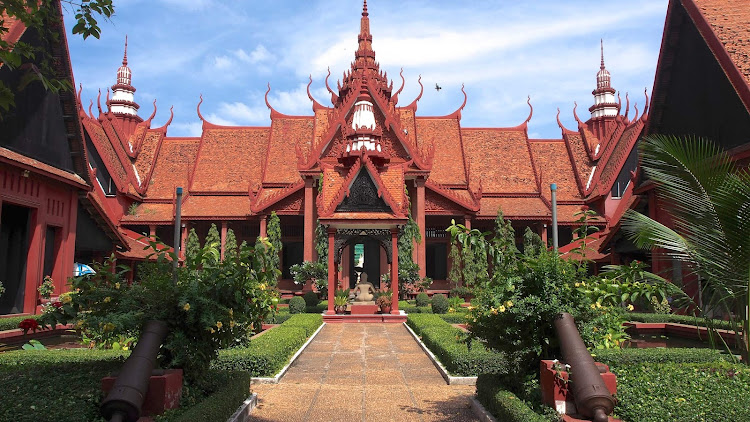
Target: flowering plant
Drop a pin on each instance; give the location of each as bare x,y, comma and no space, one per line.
47,287
28,324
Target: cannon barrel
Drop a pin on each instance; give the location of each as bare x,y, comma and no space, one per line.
124,401
591,395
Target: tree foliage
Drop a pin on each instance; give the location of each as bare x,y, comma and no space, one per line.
35,61
230,245
707,198
192,245
274,238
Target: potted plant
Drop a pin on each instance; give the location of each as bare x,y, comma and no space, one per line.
339,304
310,275
384,301
46,289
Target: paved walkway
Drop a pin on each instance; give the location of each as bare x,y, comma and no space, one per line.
363,372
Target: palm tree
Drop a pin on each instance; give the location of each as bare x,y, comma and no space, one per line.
707,197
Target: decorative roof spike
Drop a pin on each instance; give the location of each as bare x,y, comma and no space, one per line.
604,94
123,92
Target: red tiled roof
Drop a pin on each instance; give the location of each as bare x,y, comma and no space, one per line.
519,208
149,212
107,152
229,159
286,134
614,158
37,166
500,157
554,166
566,214
730,21
445,134
176,159
15,27
331,184
138,246
148,151
582,164
214,207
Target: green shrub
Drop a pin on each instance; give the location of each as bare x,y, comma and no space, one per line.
32,383
503,404
683,392
213,305
629,357
422,299
440,304
677,319
267,354
11,323
227,390
311,299
297,305
446,342
455,318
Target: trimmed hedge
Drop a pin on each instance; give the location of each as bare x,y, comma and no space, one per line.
503,404
33,383
455,318
422,299
445,342
678,319
267,354
685,392
628,357
228,390
11,323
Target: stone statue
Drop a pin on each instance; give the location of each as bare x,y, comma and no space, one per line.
364,291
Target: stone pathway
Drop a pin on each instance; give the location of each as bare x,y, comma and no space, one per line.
363,372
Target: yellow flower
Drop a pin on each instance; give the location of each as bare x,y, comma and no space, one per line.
263,286
578,284
598,305
212,330
451,310
593,306
109,327
231,324
107,299
117,285
219,325
596,329
493,311
630,307
501,308
231,312
66,299
186,307
509,303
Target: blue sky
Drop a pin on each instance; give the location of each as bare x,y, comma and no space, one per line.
503,51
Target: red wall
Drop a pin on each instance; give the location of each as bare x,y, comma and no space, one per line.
51,203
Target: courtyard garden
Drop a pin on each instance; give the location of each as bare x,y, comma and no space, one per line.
227,323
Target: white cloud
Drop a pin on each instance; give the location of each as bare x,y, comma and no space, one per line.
222,62
258,55
185,129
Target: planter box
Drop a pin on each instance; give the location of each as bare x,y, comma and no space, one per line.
554,386
164,391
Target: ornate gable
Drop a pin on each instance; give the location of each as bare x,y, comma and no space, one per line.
363,196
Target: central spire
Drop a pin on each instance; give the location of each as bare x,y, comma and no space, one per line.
365,56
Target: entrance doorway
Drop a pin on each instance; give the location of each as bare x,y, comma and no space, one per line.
364,255
14,248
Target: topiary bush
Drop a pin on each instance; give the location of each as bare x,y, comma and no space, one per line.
440,304
422,299
311,299
297,305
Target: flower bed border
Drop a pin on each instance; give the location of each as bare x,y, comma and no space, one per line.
276,378
451,380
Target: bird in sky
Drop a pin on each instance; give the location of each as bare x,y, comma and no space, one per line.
438,87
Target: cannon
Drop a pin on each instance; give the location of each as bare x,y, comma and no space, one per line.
592,398
124,401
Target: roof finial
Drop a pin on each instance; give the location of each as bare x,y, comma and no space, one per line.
364,9
125,57
601,41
